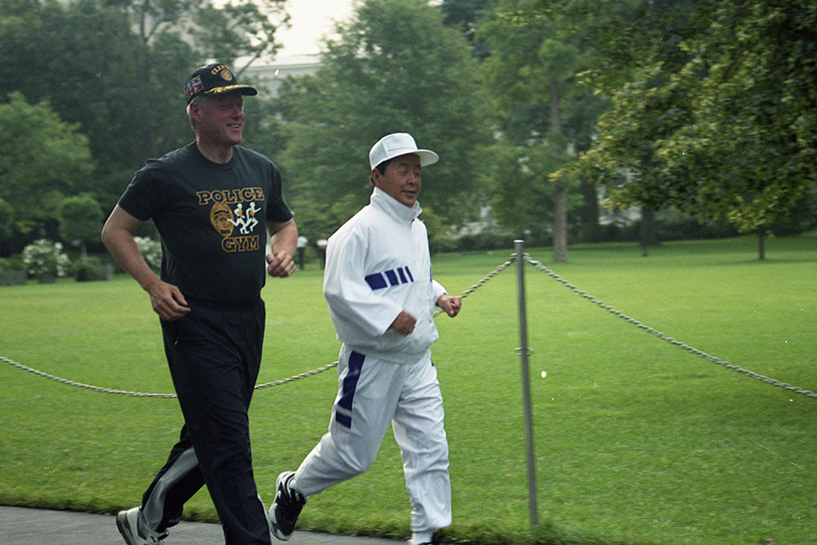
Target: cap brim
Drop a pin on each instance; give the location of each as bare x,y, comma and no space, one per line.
427,157
245,90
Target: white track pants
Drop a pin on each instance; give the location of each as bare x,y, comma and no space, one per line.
372,395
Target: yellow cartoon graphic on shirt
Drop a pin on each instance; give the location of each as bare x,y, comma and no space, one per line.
231,210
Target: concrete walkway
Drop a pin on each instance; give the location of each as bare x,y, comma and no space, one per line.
24,526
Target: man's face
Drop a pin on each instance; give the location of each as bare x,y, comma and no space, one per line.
221,119
401,180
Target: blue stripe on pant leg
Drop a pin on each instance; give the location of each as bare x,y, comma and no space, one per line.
348,389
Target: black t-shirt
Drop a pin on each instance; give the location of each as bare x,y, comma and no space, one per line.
212,220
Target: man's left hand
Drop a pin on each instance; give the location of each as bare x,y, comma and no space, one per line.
280,264
450,305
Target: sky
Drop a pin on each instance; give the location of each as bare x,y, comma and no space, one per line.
310,21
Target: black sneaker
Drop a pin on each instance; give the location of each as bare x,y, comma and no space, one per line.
285,509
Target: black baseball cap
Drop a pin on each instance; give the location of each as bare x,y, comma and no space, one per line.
214,79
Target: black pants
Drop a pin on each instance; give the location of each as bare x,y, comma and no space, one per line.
214,356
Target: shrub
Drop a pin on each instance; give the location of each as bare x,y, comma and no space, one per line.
44,257
88,270
151,251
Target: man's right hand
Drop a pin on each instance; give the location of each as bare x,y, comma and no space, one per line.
167,301
117,235
404,323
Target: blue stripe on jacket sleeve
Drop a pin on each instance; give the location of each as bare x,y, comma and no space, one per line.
376,281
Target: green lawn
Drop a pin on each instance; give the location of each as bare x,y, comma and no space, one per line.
636,441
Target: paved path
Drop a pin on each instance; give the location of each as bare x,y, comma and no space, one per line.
23,526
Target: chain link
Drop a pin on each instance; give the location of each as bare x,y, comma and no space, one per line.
143,394
537,265
482,282
667,338
307,374
79,384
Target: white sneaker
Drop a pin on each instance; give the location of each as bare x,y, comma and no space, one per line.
132,527
422,538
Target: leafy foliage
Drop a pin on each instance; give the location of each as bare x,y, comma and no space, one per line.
730,131
42,158
116,69
396,68
544,116
714,104
80,219
6,221
219,30
523,193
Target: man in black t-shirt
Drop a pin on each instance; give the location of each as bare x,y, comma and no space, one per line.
214,203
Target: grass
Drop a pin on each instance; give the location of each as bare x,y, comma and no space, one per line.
636,441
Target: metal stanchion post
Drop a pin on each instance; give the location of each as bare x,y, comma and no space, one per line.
523,351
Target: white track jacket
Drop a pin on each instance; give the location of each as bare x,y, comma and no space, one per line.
378,264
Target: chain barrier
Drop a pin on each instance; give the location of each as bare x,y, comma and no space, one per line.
751,374
484,281
313,372
79,384
537,265
153,395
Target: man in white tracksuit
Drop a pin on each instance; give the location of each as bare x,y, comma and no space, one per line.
381,295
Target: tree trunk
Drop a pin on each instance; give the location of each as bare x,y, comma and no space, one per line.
555,111
590,228
647,231
761,245
560,192
560,225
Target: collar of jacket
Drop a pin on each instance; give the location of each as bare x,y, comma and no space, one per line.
393,207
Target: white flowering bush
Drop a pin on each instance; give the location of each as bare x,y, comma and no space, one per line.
151,251
44,257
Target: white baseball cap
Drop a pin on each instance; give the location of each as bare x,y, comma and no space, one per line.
397,144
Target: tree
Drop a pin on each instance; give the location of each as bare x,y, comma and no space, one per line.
395,68
117,68
532,69
523,195
730,132
98,80
42,159
178,35
219,30
465,13
80,220
465,16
